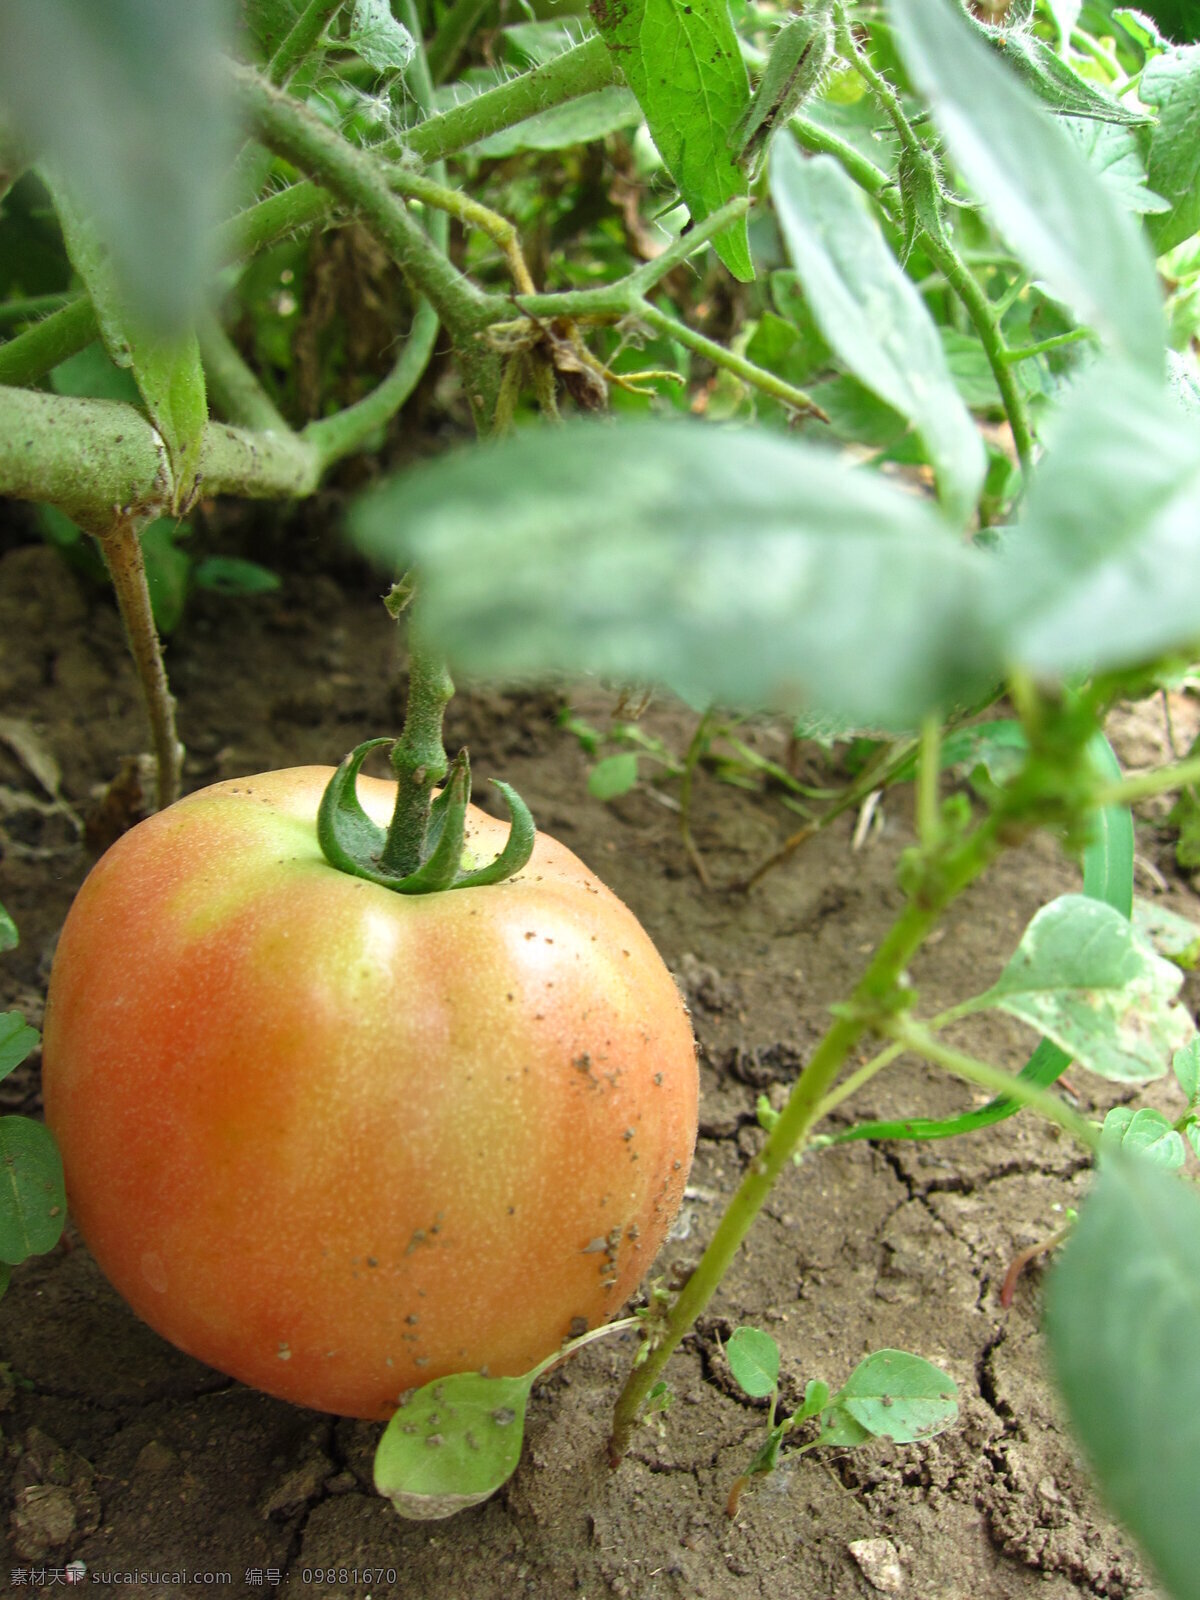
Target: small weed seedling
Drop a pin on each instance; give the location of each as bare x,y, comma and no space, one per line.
889,1395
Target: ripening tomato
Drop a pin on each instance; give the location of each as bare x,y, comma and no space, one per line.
338,1141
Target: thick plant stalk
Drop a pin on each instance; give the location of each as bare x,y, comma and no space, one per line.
123,556
875,995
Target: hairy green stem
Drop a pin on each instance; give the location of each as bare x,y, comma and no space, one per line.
587,67
63,333
1056,342
122,550
979,309
1144,785
873,999
759,377
358,179
89,457
303,38
346,431
31,306
262,224
232,388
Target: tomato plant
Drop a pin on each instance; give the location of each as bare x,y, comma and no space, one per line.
338,1141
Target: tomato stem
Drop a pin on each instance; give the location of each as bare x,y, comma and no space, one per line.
419,755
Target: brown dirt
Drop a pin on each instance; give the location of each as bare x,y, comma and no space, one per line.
126,1455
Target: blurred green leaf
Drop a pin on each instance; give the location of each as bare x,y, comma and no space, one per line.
684,64
1186,1066
613,776
1054,211
130,101
1171,935
1103,571
739,567
9,937
1123,1322
1172,83
166,367
1083,976
871,314
233,575
33,1202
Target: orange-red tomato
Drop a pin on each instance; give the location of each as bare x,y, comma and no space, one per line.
338,1141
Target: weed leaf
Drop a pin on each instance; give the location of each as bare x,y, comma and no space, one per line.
17,1040
1086,978
452,1444
1054,211
894,1395
684,65
1123,1321
872,316
9,937
1144,1133
753,1359
613,776
33,1202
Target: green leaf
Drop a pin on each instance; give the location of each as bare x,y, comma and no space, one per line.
1144,1133
166,367
1186,1066
128,100
740,567
840,1430
1114,156
232,575
613,776
684,64
33,1201
1085,977
380,40
1172,83
17,1040
1123,1321
872,316
9,937
753,1359
1055,213
1171,935
1103,570
1055,82
897,1396
452,1444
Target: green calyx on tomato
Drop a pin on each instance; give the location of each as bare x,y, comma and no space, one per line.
353,843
